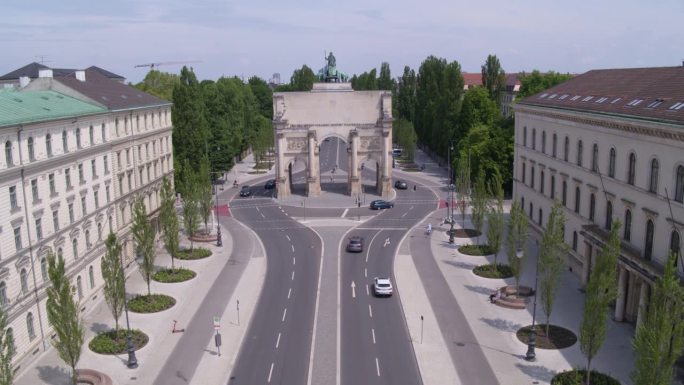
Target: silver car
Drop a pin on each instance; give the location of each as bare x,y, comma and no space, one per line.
382,287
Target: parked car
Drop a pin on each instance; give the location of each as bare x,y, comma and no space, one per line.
355,244
380,204
396,152
382,287
270,184
401,185
245,191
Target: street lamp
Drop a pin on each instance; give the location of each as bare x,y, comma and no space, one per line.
450,204
132,360
532,340
219,242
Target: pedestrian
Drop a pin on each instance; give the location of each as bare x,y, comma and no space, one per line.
414,187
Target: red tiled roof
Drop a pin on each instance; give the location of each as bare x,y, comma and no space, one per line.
472,79
618,91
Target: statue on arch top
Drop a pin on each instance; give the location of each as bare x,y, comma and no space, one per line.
329,73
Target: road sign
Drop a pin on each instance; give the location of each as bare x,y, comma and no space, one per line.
217,323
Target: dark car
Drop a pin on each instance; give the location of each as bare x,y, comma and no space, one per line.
401,185
270,184
380,204
355,244
245,191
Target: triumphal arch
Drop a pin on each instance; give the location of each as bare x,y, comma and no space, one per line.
302,120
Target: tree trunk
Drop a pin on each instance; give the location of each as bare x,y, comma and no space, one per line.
588,371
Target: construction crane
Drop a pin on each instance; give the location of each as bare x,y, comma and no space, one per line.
153,65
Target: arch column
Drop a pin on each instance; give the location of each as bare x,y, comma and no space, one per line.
354,177
282,175
313,181
385,185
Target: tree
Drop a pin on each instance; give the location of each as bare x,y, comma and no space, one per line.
385,81
63,315
493,78
495,216
406,95
659,339
6,351
516,238
405,136
551,253
601,290
462,185
204,187
536,81
477,109
169,220
159,84
302,79
264,96
191,212
143,232
113,276
479,203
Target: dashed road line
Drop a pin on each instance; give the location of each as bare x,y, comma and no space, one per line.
285,313
292,248
404,214
293,260
365,272
270,372
288,237
344,213
278,340
372,332
367,290
377,366
292,275
370,311
262,215
289,291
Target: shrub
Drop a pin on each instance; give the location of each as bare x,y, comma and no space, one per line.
174,275
576,377
476,250
151,303
196,253
493,271
110,342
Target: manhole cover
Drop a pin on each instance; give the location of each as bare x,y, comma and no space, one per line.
460,344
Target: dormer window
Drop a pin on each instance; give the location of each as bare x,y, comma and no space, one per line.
635,102
575,97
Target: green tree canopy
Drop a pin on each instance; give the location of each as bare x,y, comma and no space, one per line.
406,94
477,109
536,81
114,279
264,96
159,84
493,78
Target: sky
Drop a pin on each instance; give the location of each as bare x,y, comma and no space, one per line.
260,37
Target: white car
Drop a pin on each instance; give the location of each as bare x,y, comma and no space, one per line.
382,287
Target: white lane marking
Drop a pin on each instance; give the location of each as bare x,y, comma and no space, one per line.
370,311
404,214
387,242
366,257
377,366
365,272
293,275
258,209
292,248
293,261
285,312
372,331
289,291
270,372
288,237
367,290
262,215
353,286
411,208
278,341
345,212
381,228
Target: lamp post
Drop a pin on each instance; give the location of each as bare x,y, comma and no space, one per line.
132,360
532,340
219,242
450,204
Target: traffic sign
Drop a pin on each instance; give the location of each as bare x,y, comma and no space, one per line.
217,323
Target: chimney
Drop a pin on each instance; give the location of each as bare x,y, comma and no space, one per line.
45,73
80,75
24,81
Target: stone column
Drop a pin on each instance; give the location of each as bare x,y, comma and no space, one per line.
282,176
354,177
313,181
622,290
386,167
643,302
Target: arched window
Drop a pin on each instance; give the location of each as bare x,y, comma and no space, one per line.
60,254
23,279
553,187
524,171
79,288
541,181
574,240
611,163
580,149
31,149
74,247
525,136
104,132
577,199
78,138
532,177
631,170
679,184
91,277
534,138
539,217
653,183
48,144
44,269
594,158
544,142
554,144
565,193
674,245
592,207
628,226
87,237
29,326
91,135
566,149
65,143
3,294
8,154
648,245
609,215
531,210
99,231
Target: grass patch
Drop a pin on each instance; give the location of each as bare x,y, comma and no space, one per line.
464,233
577,377
493,271
256,172
263,166
558,338
111,342
174,275
152,303
476,250
196,253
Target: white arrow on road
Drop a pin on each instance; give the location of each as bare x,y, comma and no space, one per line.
387,242
353,286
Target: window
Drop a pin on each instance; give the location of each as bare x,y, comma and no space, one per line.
23,279
631,168
541,181
594,158
609,215
566,149
592,207
676,106
679,184
553,187
121,185
588,98
105,163
81,175
532,177
635,102
96,198
104,131
539,217
8,154
554,144
99,231
91,277
13,197
111,224
3,294
34,190
140,153
87,237
116,125
78,138
60,254
574,241
577,200
29,326
31,150
531,209
65,143
74,247
524,169
55,220
71,213
534,138
128,157
674,245
39,228
79,288
107,195
93,168
653,182
83,206
17,238
611,163
118,159
67,177
580,148
544,142
91,135
522,203
44,269
48,144
51,182
565,193
648,245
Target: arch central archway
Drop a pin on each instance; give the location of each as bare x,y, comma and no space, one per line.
302,120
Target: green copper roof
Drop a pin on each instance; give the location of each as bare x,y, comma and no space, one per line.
22,107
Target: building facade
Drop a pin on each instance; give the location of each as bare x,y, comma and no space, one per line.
608,144
66,182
